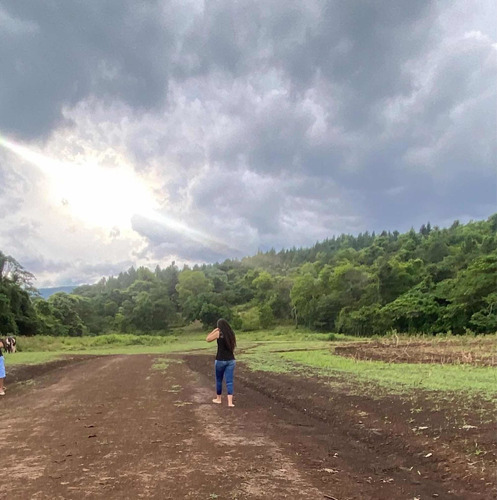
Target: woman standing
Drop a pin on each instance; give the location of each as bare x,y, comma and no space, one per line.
225,359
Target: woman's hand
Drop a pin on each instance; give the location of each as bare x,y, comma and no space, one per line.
213,335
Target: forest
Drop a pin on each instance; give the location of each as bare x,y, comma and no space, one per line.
434,280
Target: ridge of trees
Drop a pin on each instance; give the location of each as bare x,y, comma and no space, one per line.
428,281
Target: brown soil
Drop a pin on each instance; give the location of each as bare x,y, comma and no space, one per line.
481,354
118,427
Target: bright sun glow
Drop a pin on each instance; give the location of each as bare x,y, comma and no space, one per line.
98,196
105,197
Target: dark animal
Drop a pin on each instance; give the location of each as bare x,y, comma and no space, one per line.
10,344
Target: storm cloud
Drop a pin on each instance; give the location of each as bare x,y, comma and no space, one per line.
258,124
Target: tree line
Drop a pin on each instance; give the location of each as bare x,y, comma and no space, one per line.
428,281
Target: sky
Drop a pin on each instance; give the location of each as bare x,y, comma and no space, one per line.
141,133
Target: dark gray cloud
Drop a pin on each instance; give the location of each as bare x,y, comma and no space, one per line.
423,200
58,53
360,49
265,123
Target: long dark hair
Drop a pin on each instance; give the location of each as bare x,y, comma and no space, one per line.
228,333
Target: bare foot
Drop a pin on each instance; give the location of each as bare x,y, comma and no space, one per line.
217,401
231,405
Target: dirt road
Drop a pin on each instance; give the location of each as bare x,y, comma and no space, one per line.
143,426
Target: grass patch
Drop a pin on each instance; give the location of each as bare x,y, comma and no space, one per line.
36,357
265,356
432,377
268,363
162,363
182,403
30,358
276,346
112,340
289,333
43,348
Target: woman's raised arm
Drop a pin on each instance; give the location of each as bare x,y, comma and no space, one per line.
213,335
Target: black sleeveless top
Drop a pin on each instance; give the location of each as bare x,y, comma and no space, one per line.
224,353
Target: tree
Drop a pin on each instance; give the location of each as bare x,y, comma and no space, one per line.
8,325
279,300
326,312
348,282
17,315
210,313
367,320
432,280
266,316
414,311
192,284
169,277
48,322
471,296
395,278
304,295
11,272
263,286
64,307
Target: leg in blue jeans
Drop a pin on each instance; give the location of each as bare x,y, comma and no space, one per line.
228,373
224,369
220,369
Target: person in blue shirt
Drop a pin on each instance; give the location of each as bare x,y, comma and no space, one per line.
2,370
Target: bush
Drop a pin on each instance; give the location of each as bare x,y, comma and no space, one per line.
210,313
266,316
250,319
47,343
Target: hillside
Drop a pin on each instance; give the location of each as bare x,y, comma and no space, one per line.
433,280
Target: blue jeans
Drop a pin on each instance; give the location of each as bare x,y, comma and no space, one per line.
224,369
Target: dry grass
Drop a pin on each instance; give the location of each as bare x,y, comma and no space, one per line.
476,351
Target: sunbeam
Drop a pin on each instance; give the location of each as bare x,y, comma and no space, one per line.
105,197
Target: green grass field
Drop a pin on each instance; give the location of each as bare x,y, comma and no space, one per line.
312,358
281,350
433,377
